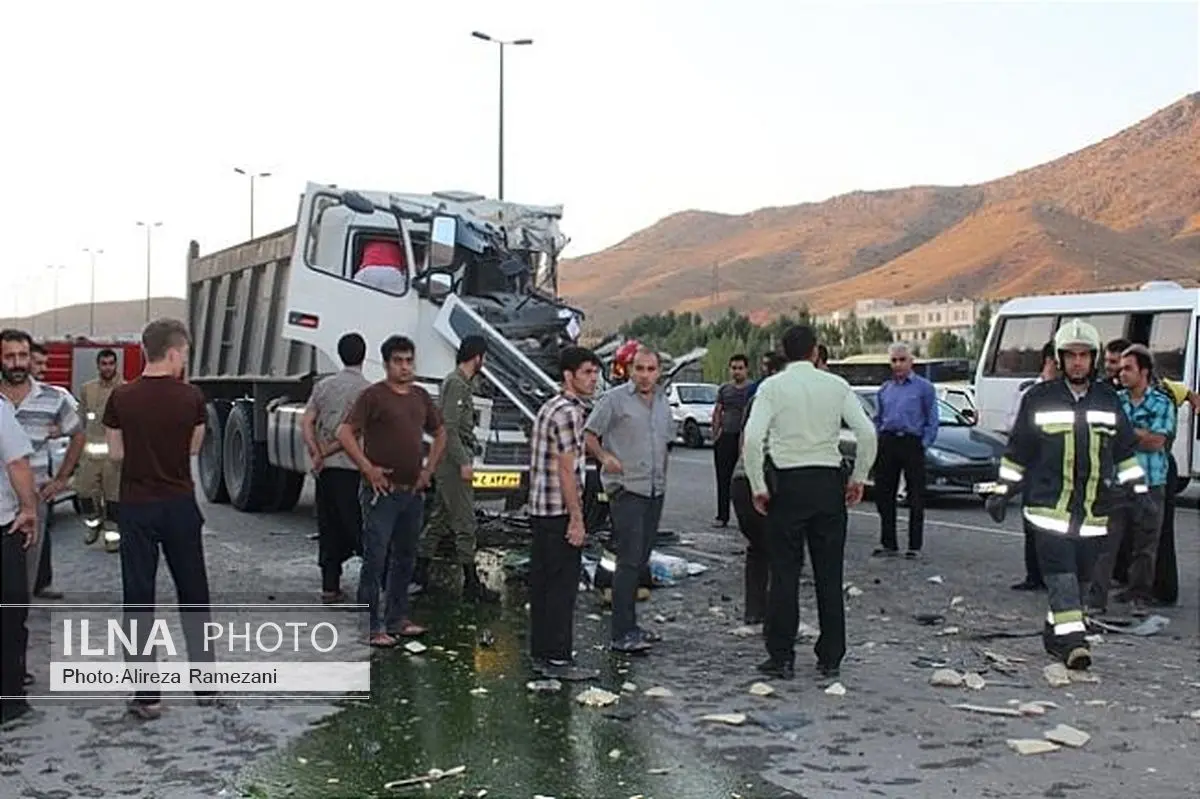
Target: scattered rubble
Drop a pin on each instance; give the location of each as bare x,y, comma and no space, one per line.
415,647
629,688
974,681
1032,746
837,689
544,686
946,678
936,579
990,711
1067,736
947,631
1031,709
735,719
433,775
1057,675
761,689
596,697
659,693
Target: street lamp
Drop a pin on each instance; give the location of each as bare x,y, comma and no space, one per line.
252,176
149,226
55,271
92,305
518,42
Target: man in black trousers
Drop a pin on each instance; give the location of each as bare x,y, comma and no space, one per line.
18,529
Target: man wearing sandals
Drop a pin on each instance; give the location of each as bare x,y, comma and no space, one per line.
390,417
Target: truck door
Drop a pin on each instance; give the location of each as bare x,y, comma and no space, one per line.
334,245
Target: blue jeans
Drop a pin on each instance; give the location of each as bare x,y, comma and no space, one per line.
391,528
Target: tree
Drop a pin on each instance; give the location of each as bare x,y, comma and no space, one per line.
874,331
851,335
944,344
983,324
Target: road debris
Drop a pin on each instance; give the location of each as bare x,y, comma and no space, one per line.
947,631
433,775
1067,736
761,689
854,591
1195,714
596,697
659,692
946,678
956,601
990,711
936,579
735,719
974,681
415,647
929,619
1032,746
747,630
1031,709
544,686
837,689
480,691
1057,675
629,687
614,754
1082,676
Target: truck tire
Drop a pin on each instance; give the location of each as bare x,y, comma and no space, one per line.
210,460
289,486
248,474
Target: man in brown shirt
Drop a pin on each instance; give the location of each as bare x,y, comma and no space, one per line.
391,417
154,426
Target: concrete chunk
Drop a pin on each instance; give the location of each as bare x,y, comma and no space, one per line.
1031,746
946,678
1067,736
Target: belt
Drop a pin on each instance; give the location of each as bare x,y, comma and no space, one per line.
900,434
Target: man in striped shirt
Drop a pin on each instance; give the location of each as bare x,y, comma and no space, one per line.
43,411
556,479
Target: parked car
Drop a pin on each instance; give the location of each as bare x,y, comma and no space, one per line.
962,456
692,407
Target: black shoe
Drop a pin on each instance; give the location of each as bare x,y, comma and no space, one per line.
912,554
885,552
720,523
563,670
630,644
13,709
1028,585
828,671
776,668
648,636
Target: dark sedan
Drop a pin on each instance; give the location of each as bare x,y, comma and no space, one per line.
962,455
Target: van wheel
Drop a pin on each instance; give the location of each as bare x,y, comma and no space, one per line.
210,460
691,434
248,475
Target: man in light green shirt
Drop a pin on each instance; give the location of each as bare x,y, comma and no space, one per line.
798,416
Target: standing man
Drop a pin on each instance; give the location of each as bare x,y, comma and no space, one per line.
634,423
751,523
154,426
1152,415
798,416
1166,571
453,520
99,481
42,410
907,421
339,513
39,358
18,528
728,415
556,478
1112,361
1033,570
391,417
1071,439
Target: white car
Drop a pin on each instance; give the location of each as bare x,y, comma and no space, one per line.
692,407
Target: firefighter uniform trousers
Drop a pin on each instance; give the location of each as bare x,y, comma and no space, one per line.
99,478
452,520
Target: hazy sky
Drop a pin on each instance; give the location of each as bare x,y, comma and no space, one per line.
623,111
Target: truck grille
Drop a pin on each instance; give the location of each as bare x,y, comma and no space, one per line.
508,420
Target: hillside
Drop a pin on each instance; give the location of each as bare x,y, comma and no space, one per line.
1123,210
125,318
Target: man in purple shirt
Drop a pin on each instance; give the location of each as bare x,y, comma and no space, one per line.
907,421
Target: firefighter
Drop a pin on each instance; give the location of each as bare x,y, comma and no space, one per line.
100,477
1071,455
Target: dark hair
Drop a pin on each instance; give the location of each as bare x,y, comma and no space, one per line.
1048,351
352,349
571,358
106,353
822,353
471,346
739,358
11,334
394,344
1141,354
37,348
798,343
1117,346
774,361
162,335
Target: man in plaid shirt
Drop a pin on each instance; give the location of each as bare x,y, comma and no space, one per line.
556,479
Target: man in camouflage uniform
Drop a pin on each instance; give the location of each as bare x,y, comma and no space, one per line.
453,517
98,482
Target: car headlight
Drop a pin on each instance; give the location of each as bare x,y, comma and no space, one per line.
946,457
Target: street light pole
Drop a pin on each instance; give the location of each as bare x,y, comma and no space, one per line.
92,304
55,271
252,176
149,226
501,44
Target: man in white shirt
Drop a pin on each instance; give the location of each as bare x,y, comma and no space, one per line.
798,415
18,530
1033,569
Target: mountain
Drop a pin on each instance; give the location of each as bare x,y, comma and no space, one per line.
1124,210
112,319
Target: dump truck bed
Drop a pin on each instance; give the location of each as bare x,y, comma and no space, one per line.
236,310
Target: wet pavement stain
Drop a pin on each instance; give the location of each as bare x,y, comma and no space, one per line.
422,715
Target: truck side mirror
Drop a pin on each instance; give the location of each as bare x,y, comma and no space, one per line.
442,237
357,203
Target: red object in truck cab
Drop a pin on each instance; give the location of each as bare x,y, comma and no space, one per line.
70,364
382,253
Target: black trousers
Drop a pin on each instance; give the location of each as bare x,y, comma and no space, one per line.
45,573
174,526
758,562
900,455
1033,566
635,526
554,567
339,523
725,454
14,594
1166,570
808,507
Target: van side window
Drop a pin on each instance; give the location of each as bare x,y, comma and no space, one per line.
1110,326
1168,342
1018,347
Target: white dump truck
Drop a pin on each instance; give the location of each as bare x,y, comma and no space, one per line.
266,316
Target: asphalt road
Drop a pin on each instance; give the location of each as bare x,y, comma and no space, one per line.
891,734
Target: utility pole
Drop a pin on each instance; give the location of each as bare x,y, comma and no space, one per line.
55,271
515,42
252,176
92,304
149,226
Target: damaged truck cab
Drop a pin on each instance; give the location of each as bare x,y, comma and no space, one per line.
267,314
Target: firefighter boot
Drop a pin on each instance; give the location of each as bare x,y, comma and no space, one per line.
112,535
92,519
1071,649
473,588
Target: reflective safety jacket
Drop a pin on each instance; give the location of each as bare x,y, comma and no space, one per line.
1072,460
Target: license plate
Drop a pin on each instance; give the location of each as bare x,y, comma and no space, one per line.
496,480
986,488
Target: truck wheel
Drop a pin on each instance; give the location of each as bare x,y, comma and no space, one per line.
248,475
210,460
289,486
